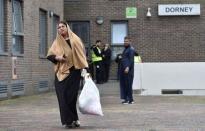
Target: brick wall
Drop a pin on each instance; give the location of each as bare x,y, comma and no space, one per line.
157,39
30,68
41,69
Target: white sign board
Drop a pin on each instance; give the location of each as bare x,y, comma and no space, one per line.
178,9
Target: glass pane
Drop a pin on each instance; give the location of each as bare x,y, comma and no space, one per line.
119,31
18,23
1,25
116,50
17,44
82,30
84,34
1,42
14,44
1,15
17,17
43,34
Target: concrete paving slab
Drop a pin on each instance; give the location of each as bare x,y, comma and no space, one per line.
149,113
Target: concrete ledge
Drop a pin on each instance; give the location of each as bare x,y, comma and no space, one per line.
152,78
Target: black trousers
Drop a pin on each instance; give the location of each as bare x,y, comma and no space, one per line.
98,71
67,93
106,71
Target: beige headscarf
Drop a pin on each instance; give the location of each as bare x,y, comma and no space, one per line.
75,56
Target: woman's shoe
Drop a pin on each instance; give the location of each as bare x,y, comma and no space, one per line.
76,123
72,125
69,126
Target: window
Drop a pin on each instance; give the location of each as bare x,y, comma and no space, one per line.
43,33
55,22
17,40
1,25
118,32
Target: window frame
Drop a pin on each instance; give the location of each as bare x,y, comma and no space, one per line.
2,25
118,22
43,46
17,35
117,48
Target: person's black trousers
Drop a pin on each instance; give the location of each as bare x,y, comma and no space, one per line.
98,68
67,93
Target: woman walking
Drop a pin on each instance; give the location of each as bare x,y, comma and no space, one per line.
68,55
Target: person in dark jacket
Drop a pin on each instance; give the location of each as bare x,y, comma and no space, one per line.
127,72
106,56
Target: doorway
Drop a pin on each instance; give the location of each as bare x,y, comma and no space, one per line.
82,29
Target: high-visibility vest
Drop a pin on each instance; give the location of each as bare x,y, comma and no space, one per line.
137,59
94,57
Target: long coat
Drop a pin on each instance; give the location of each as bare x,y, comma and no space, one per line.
128,60
126,80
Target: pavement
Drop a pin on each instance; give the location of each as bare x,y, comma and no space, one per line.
149,113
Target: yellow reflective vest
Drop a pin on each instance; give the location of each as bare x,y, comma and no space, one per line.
94,57
137,59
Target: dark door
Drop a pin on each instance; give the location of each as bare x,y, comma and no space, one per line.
82,29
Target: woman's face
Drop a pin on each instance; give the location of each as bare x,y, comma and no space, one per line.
62,29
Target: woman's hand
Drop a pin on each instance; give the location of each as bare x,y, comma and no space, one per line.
84,73
60,58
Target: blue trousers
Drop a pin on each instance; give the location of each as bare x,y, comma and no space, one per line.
126,81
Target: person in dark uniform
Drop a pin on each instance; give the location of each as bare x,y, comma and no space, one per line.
127,72
106,55
118,60
68,56
91,68
97,61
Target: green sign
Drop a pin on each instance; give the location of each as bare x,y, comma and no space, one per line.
131,12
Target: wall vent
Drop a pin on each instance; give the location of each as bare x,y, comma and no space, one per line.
3,90
17,89
172,92
43,86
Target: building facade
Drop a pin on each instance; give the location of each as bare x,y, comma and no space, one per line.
157,38
27,29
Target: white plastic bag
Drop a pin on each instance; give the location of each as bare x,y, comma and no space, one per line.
89,99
